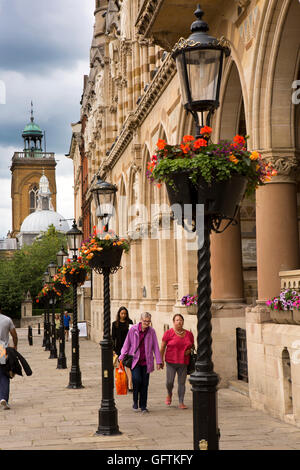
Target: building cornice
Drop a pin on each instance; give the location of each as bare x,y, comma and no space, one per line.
146,17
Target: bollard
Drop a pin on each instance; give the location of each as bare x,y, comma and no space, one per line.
39,329
30,336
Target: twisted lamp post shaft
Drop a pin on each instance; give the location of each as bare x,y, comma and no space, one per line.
75,374
204,380
62,360
108,414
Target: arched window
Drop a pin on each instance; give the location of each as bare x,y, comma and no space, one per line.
33,195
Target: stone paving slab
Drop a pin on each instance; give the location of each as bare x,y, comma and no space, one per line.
46,415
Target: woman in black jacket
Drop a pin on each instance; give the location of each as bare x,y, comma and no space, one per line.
120,328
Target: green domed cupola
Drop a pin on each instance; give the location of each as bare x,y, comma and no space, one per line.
32,135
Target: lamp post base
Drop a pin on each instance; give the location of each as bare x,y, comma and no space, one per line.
61,363
75,380
108,420
206,432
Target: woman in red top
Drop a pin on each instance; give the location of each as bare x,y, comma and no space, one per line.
177,343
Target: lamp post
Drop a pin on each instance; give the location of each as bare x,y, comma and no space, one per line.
74,238
199,61
62,360
47,322
104,197
52,268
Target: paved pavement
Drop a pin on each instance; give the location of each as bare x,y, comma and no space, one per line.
46,415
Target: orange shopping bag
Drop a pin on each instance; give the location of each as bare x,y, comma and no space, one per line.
121,380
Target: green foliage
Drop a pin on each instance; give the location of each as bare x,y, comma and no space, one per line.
24,271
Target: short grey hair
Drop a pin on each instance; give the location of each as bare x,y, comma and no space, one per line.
145,315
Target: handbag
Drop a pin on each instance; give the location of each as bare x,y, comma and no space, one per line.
128,358
192,363
121,380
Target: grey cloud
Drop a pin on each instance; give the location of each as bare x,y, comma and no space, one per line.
36,36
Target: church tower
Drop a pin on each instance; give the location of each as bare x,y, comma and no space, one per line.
27,169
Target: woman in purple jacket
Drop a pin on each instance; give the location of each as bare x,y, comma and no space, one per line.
141,342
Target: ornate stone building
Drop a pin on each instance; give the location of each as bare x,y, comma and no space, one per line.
131,98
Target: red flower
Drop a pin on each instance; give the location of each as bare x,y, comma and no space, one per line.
161,144
238,139
200,143
188,138
206,130
185,148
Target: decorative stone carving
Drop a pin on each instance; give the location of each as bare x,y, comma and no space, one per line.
99,87
125,32
112,16
286,168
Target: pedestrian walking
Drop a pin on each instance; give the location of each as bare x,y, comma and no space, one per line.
6,327
120,328
176,347
57,325
67,320
141,343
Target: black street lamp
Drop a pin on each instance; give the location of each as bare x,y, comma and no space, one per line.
62,360
52,268
46,343
74,238
199,61
104,196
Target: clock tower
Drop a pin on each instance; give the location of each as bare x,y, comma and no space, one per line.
27,168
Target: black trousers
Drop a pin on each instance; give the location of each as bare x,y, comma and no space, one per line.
140,382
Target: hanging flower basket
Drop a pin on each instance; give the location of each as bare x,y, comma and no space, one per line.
104,250
60,283
216,175
220,198
75,272
107,258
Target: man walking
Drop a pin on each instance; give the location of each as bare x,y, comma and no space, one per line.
6,327
67,320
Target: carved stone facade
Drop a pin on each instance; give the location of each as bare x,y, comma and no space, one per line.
131,98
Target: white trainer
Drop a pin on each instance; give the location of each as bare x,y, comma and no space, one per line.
4,405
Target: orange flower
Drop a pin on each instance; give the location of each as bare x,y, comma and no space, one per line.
233,159
161,144
254,155
238,139
188,138
200,143
206,130
185,148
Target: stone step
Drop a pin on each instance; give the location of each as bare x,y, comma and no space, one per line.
239,386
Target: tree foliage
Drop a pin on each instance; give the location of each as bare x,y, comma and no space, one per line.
25,270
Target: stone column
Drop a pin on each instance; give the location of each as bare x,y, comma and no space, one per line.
136,274
226,265
277,235
167,264
149,270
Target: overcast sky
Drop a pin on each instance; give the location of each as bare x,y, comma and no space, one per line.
44,53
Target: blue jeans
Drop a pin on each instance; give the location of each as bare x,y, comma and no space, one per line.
140,382
4,386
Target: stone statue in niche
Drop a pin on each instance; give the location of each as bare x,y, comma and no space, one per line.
125,32
99,84
114,57
112,16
